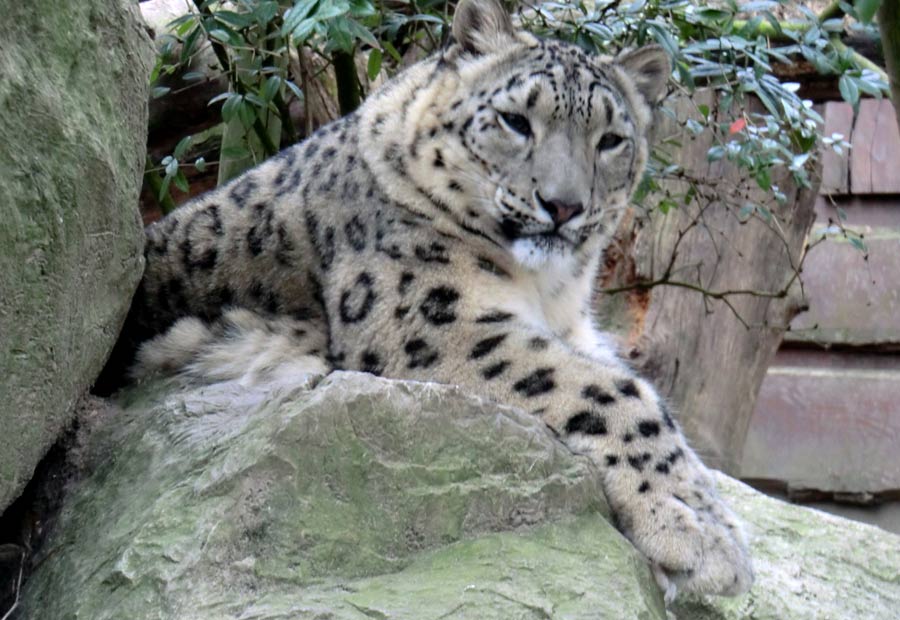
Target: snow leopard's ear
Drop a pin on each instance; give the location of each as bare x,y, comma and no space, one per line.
482,26
649,67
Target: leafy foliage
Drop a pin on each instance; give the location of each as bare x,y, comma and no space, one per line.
276,52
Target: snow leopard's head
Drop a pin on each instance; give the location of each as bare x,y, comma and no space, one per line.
534,143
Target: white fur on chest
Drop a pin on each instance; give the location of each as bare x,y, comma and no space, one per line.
556,297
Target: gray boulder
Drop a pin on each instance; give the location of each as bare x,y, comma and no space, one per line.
73,122
365,498
360,498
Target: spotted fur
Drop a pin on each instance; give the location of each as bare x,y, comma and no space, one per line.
450,230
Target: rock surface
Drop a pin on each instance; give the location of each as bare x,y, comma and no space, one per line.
73,99
366,498
361,498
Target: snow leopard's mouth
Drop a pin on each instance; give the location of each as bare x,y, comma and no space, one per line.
550,237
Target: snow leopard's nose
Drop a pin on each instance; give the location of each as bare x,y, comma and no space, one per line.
561,212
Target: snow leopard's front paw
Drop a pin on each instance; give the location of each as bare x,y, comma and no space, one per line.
692,539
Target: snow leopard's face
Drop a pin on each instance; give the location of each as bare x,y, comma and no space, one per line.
554,147
541,144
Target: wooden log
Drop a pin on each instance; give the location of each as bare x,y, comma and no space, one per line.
708,362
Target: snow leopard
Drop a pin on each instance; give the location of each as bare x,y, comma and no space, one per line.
451,230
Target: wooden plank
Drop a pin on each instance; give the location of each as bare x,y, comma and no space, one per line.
865,211
861,139
886,151
836,168
875,156
854,296
827,421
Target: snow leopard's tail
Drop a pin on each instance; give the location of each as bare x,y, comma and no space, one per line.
241,346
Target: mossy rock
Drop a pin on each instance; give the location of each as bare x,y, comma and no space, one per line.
73,125
360,497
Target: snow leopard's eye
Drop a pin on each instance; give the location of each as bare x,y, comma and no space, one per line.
609,141
517,123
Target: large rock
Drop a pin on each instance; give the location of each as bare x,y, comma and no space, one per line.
367,498
361,498
73,122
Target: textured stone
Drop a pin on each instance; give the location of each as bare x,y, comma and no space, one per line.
73,98
367,498
363,497
809,566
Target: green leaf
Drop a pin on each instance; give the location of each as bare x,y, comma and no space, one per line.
256,100
328,10
294,89
246,113
391,50
221,35
600,30
761,5
160,91
666,205
799,160
431,19
271,87
339,35
662,35
295,15
866,9
833,25
870,88
235,20
304,29
200,164
694,127
181,181
357,31
182,147
373,67
362,8
181,24
230,107
265,12
713,15
219,98
715,153
190,44
164,188
193,76
234,152
849,90
858,243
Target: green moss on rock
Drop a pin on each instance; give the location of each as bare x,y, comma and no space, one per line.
73,118
366,498
361,494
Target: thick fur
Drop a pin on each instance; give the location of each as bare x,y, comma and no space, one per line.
413,239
